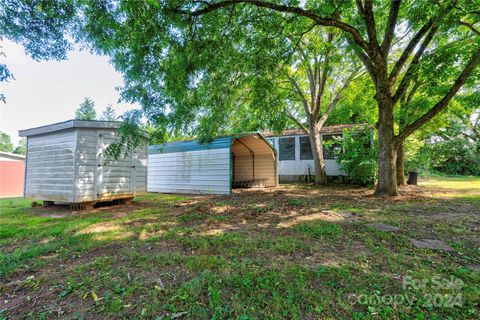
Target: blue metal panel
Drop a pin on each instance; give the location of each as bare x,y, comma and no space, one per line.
183,146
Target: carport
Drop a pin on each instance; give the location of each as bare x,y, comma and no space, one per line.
242,160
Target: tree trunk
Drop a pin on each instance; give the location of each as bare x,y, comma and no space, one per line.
401,165
317,152
387,175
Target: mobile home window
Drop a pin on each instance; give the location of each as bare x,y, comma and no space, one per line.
305,149
286,148
330,148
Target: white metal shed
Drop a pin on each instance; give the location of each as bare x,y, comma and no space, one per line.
243,160
66,162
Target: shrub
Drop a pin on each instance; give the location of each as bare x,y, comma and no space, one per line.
453,155
358,157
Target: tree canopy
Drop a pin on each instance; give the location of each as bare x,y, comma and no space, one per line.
108,114
21,147
205,67
6,144
86,110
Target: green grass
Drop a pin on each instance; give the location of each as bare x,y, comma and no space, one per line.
299,202
321,230
246,256
455,183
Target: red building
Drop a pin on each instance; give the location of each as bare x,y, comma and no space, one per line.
12,173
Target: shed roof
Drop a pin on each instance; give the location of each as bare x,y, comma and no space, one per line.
195,145
70,124
13,156
328,129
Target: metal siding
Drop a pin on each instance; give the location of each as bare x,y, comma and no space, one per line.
62,166
50,166
114,176
140,163
86,167
199,171
250,151
183,146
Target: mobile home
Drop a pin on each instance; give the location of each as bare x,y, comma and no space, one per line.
295,159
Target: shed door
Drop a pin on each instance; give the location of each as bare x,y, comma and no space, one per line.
114,176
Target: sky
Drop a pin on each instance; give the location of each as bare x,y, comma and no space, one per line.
49,91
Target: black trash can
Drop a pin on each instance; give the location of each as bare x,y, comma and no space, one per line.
412,177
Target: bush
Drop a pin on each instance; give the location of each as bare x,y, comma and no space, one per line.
358,157
455,156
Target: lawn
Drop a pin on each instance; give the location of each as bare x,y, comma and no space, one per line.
293,252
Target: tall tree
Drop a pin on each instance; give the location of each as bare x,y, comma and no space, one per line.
255,81
317,75
108,114
86,110
6,144
377,39
390,39
21,147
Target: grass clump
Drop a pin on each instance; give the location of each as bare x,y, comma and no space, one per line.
320,229
298,202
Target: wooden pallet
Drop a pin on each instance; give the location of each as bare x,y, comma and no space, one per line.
85,205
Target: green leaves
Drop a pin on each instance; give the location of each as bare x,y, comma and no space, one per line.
43,27
357,157
86,110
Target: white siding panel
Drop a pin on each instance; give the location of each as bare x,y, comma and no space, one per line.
141,165
63,166
86,165
202,171
50,166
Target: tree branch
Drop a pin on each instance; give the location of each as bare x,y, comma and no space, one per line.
301,126
412,67
336,98
470,26
405,102
297,45
312,81
329,22
360,8
390,29
392,78
364,58
397,68
300,93
323,80
370,22
443,103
